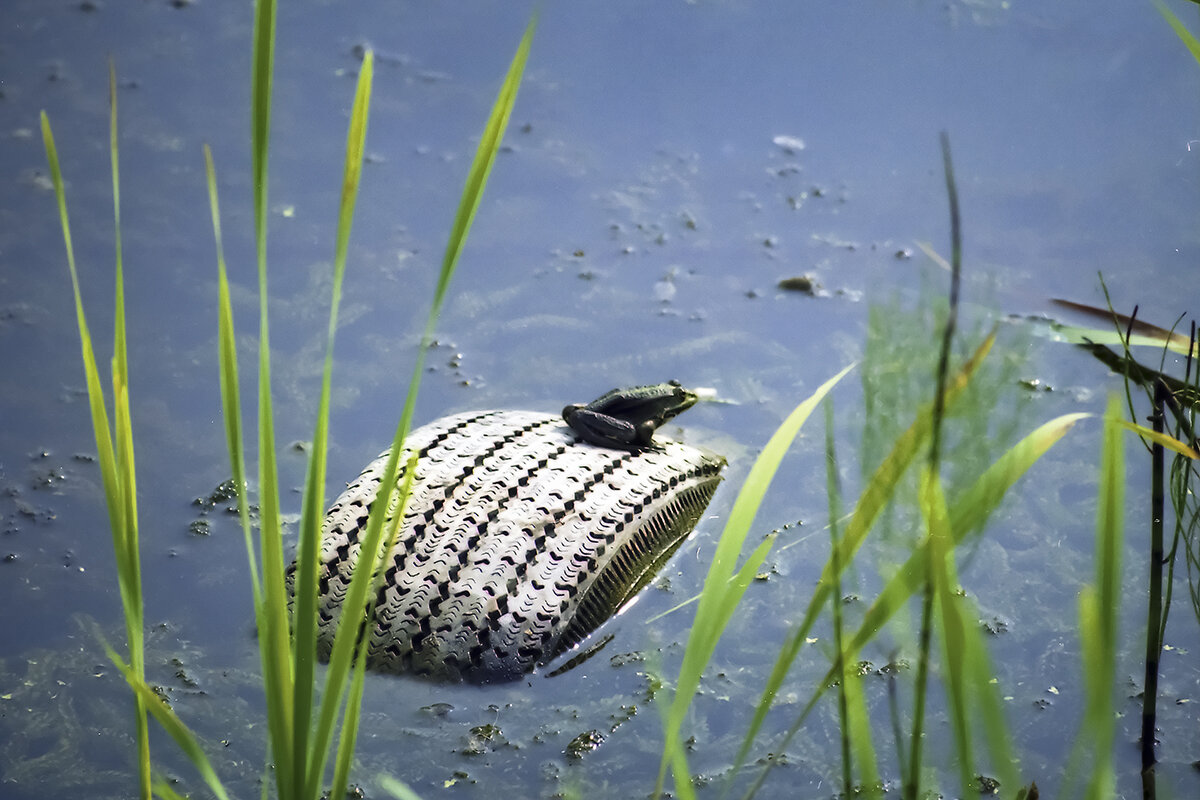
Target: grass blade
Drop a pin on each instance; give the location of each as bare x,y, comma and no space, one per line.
1166,440
875,496
231,409
117,465
171,723
313,509
1098,608
129,557
1183,33
357,597
856,736
944,585
273,631
965,516
720,595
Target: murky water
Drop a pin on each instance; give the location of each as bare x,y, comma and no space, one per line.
667,166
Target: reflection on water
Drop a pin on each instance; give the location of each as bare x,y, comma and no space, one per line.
653,194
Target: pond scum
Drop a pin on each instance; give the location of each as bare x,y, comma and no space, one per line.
302,721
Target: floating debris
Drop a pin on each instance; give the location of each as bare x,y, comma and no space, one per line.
583,744
805,284
789,144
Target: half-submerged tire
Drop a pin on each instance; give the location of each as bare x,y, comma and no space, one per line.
518,540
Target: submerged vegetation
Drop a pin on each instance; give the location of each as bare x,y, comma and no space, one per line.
928,488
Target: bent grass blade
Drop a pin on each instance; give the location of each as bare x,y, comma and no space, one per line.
721,594
871,502
966,515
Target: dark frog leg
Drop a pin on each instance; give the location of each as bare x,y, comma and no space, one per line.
606,431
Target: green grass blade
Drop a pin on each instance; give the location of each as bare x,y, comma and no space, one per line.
1110,516
940,551
349,733
171,723
856,734
313,509
129,556
364,585
875,496
100,426
231,405
966,514
116,462
481,167
861,734
119,347
273,631
720,595
1166,440
1183,33
164,790
971,509
1098,610
357,597
262,69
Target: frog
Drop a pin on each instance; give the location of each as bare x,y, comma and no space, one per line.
626,418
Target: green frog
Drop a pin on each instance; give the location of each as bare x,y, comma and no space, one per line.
627,418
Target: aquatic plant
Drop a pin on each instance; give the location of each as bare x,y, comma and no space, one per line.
114,447
929,573
1174,400
301,720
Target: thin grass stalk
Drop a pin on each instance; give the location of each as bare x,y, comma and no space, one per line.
856,732
720,595
1189,40
833,495
1154,611
397,788
936,554
304,584
349,730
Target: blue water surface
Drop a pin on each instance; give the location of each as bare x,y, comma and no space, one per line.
667,165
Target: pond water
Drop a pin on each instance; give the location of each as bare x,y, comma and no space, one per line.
667,165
